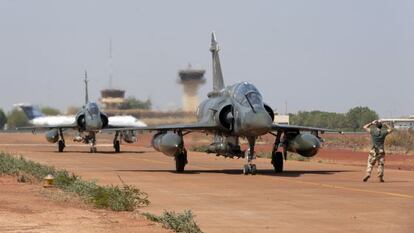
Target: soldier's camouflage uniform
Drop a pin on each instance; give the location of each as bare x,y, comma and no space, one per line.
377,153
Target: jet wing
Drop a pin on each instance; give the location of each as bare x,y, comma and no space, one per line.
42,128
124,121
295,128
185,127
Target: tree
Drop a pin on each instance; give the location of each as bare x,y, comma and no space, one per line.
319,119
16,118
359,116
353,120
72,110
133,103
49,111
3,119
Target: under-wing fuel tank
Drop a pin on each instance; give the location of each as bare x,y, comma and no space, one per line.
305,144
168,143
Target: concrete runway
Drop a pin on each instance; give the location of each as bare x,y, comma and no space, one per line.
308,197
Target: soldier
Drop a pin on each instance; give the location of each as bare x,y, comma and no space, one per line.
377,153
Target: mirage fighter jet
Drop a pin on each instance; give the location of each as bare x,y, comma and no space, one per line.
88,122
230,113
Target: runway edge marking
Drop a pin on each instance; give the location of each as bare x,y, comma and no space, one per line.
356,189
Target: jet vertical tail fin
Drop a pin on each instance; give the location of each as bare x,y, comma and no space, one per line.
218,82
30,111
86,88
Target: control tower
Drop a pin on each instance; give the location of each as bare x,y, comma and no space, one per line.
191,79
112,98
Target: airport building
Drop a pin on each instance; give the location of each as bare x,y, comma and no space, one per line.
281,119
401,123
190,79
112,98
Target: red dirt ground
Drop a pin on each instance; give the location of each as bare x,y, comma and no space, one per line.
309,196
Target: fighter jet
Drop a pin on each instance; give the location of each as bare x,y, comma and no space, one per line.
37,118
234,112
88,122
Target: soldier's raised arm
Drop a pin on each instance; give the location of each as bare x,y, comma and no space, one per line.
389,127
366,127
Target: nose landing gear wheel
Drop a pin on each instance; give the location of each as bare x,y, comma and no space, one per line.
253,169
249,169
246,169
93,150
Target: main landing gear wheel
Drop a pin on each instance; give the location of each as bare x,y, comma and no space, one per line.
180,161
117,146
249,169
61,145
93,149
277,161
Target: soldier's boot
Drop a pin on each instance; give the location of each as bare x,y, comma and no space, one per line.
381,179
366,178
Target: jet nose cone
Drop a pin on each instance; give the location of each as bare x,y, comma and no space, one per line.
258,123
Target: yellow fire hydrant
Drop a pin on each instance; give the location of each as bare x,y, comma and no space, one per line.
48,181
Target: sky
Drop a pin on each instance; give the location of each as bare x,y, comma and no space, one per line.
325,55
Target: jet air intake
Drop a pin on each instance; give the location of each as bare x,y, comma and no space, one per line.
306,145
168,143
225,117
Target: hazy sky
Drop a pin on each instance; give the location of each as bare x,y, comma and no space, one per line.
326,55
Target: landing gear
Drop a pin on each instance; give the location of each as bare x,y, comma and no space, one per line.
91,139
277,156
249,167
61,145
61,142
93,149
117,146
277,161
180,161
117,143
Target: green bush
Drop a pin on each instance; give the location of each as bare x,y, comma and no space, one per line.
133,103
3,119
353,120
125,198
178,222
49,111
16,118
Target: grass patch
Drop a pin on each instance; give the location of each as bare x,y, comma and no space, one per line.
178,222
401,141
117,198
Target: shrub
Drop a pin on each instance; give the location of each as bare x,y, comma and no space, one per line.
125,198
401,140
178,222
49,111
16,118
3,119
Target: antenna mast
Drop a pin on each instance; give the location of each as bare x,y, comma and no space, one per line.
86,88
110,64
